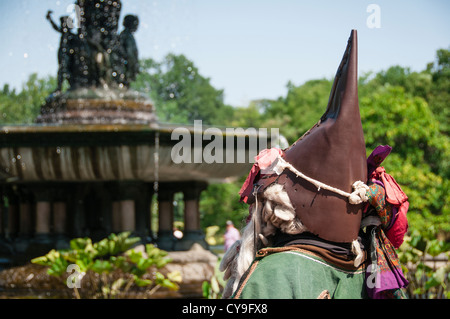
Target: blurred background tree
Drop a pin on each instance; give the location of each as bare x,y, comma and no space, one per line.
180,93
24,107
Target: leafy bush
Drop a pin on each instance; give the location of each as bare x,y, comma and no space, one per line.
110,255
425,281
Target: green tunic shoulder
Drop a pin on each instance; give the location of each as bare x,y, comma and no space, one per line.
299,275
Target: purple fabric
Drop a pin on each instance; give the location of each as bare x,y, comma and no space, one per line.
377,157
389,280
388,273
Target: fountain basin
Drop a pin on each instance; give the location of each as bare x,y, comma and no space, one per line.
103,152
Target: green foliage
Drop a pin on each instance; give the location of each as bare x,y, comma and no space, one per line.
420,152
219,203
180,93
112,254
425,280
300,109
24,107
213,288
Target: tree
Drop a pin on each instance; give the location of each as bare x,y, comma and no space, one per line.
439,95
300,109
220,202
419,160
24,107
180,93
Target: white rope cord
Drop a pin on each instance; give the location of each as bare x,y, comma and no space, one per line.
356,197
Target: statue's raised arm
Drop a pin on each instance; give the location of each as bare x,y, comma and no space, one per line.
54,25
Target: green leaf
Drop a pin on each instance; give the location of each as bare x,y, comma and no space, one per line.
206,286
112,247
80,243
43,260
102,266
135,256
431,282
436,247
142,282
102,247
169,284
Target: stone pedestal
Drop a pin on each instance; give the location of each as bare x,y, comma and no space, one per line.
97,105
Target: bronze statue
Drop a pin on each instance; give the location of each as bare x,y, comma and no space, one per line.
129,48
65,47
99,63
97,56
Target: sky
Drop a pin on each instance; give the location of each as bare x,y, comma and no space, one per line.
250,49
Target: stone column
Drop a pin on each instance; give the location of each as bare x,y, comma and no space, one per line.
12,215
42,242
2,217
25,223
115,218
6,248
123,216
59,217
60,225
105,208
25,220
124,208
191,212
142,204
75,210
43,211
165,240
192,232
128,215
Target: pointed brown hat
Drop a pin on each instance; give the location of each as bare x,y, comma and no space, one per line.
333,153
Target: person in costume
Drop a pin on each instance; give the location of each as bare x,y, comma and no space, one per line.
324,219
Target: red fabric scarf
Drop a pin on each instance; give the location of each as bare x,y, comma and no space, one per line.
396,197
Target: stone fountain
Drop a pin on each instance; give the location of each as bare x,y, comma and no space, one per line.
97,154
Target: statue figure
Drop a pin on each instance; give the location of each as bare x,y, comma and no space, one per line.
99,63
97,56
129,48
65,48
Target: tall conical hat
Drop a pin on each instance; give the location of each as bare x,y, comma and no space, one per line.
332,152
